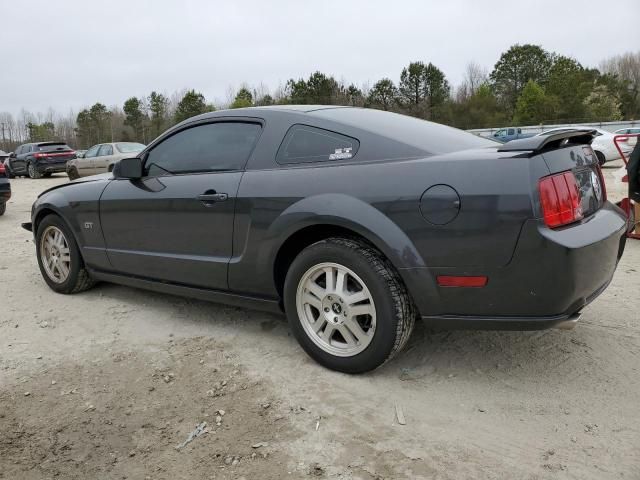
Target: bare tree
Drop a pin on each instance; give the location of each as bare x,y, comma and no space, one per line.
474,76
625,66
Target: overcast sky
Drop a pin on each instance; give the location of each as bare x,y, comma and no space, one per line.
72,53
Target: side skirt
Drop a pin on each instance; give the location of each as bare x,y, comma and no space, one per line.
226,298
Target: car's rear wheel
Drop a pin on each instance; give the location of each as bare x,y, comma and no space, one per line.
59,258
347,306
601,158
33,171
72,173
3,208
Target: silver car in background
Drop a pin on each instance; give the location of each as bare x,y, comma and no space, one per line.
101,158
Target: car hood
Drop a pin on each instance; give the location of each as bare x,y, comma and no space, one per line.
93,178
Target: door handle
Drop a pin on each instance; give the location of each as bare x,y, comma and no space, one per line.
211,198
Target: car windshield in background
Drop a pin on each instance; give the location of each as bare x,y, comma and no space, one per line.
430,137
129,147
53,147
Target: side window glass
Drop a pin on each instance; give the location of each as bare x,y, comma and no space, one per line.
221,146
105,150
304,144
92,151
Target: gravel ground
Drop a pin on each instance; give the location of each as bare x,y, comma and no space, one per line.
108,383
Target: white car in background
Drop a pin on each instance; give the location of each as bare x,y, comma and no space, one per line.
623,131
602,144
101,158
629,131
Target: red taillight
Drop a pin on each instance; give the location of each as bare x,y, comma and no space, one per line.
457,281
2,167
560,199
40,155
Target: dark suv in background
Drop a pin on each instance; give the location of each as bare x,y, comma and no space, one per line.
37,160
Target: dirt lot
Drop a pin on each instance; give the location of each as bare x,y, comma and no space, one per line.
106,384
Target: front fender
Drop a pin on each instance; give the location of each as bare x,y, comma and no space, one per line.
77,204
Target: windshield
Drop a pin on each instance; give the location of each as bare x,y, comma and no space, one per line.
129,147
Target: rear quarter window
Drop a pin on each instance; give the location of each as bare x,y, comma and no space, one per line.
305,144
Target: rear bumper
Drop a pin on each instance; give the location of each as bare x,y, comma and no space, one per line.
450,322
553,275
51,167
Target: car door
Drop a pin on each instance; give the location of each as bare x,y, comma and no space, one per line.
18,165
85,165
176,223
101,161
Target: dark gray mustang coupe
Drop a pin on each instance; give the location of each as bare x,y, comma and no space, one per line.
353,221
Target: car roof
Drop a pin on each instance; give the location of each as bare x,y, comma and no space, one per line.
295,108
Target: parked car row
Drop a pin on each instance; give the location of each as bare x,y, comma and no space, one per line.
42,159
101,158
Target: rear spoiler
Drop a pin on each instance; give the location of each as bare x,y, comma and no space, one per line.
549,142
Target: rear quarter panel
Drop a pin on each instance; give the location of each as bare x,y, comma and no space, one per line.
381,201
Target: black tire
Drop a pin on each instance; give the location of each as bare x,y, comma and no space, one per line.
33,172
78,279
395,311
72,173
3,208
601,158
9,172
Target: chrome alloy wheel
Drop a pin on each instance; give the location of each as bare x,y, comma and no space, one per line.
55,254
336,309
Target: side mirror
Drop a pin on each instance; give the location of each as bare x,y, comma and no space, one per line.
12,155
130,168
79,155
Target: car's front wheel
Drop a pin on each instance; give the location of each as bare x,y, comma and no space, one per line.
72,173
3,208
601,158
59,258
347,306
33,171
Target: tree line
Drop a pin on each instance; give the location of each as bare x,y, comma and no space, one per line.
528,85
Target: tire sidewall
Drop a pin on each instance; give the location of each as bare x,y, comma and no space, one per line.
72,173
32,173
381,346
76,261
